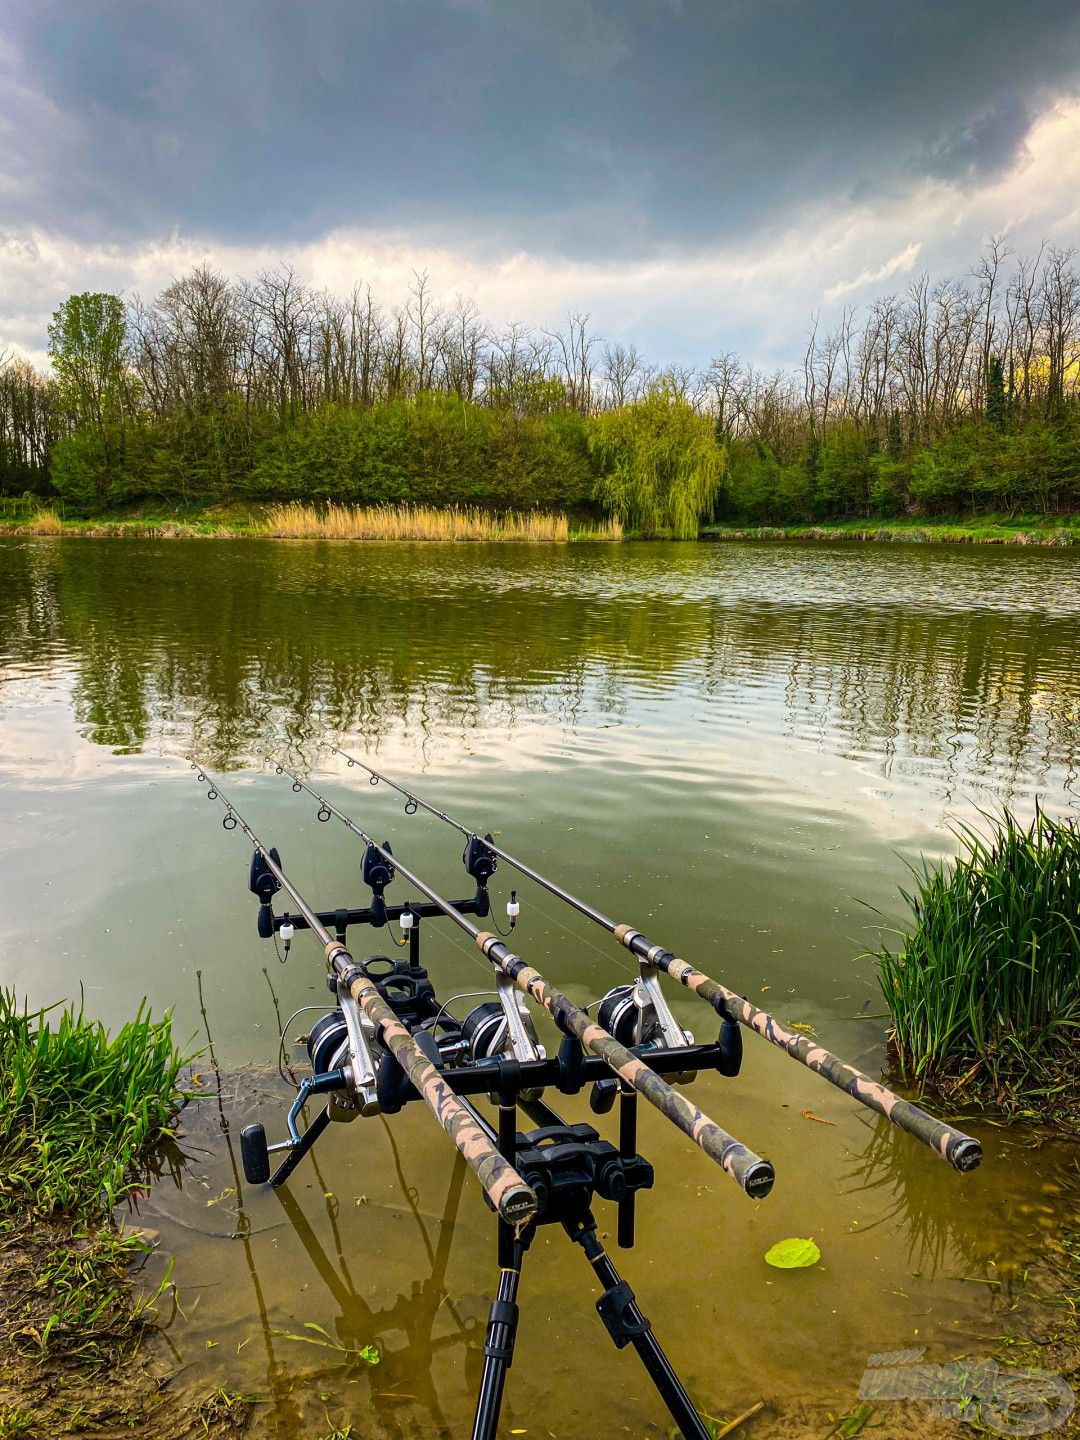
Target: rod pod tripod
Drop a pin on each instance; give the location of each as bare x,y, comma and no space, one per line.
567,1165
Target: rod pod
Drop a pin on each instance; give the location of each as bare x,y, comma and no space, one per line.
963,1152
514,1201
750,1172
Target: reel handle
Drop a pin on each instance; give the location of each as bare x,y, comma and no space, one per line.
255,1154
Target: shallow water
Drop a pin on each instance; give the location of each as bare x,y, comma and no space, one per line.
738,748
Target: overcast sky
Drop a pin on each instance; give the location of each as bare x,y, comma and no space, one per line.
698,175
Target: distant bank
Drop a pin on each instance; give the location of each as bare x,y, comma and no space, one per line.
403,522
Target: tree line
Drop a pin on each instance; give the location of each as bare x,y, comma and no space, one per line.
959,395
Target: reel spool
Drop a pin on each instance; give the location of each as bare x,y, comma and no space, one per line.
328,1049
485,1031
621,1016
328,1043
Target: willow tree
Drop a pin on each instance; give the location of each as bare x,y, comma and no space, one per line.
658,465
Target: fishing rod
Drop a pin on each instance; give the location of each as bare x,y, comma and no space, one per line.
749,1171
961,1151
390,1040
514,1200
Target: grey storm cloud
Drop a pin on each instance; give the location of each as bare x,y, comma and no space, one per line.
565,125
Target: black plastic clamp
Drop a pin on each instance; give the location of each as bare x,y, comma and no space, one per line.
502,1312
614,1307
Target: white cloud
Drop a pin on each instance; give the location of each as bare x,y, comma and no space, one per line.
900,264
682,304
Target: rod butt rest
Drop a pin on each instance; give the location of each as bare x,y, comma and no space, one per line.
967,1155
758,1179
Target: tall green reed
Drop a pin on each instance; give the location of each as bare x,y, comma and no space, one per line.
985,989
78,1108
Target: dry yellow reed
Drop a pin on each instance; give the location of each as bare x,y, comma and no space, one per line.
45,522
409,522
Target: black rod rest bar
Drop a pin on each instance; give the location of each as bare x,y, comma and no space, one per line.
517,1076
269,923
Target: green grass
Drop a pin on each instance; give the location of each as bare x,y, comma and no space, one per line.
984,990
15,1422
80,1112
78,1108
1052,530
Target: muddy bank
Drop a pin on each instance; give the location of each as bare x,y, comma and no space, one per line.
113,1375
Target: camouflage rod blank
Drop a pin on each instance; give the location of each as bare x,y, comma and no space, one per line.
961,1151
749,1171
515,1202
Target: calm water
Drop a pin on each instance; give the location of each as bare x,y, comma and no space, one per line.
737,748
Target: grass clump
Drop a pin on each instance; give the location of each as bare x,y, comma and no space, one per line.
44,522
985,989
78,1108
79,1112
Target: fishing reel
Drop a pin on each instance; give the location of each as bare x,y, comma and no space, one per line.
348,1062
501,1029
639,1017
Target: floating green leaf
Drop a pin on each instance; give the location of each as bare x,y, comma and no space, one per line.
793,1254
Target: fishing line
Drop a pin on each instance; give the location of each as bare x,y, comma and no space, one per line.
281,1044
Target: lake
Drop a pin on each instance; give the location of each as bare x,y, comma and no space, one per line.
738,748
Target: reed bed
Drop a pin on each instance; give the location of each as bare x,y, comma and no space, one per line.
416,522
79,1109
985,989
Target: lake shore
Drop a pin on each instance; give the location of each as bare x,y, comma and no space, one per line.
1053,531
233,522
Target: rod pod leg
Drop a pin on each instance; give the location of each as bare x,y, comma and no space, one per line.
498,1349
626,1325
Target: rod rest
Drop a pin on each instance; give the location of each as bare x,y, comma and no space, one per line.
484,1078
567,1165
728,1052
376,916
